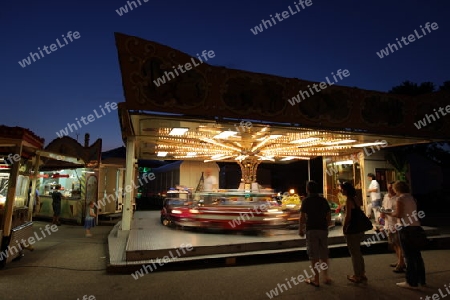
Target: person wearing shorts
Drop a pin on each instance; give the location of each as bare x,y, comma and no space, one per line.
315,218
89,221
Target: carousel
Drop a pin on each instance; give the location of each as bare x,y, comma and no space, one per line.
214,114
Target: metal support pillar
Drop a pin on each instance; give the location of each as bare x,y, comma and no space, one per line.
309,170
127,212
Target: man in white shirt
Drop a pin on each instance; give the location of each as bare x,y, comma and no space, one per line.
375,196
210,183
390,202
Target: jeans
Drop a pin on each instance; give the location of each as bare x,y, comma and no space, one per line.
415,267
375,207
354,247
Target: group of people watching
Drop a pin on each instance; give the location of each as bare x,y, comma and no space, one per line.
315,220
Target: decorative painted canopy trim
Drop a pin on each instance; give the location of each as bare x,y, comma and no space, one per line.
20,133
70,147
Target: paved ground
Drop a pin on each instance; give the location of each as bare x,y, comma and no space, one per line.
66,265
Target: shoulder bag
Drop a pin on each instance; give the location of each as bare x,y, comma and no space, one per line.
359,222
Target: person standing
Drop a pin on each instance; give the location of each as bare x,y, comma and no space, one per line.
315,213
407,211
37,202
210,183
375,196
390,203
56,204
353,239
89,221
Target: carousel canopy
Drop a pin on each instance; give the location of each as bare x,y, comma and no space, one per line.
213,113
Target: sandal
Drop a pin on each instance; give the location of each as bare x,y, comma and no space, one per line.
393,265
399,269
309,281
356,279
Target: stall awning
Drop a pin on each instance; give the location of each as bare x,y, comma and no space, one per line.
11,137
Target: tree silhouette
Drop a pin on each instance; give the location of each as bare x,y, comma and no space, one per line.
413,89
426,88
445,86
438,152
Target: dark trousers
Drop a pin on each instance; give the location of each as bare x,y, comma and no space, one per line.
415,267
354,247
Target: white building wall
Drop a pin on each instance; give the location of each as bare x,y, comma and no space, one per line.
375,161
107,185
191,171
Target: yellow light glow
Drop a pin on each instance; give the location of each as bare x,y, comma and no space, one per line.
345,162
339,142
225,134
311,139
178,131
368,144
213,141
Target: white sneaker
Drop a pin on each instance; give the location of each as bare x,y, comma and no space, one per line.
407,286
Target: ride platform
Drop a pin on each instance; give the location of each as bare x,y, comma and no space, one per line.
148,240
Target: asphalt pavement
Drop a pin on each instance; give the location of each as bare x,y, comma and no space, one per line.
68,265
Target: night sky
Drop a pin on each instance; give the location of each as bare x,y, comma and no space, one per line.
326,36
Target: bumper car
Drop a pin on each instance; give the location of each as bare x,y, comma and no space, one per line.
178,197
290,204
224,215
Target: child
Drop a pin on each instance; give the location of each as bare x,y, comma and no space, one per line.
89,222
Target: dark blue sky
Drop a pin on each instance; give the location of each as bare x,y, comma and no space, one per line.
328,35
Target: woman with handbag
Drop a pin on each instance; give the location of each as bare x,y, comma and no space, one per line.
406,215
353,234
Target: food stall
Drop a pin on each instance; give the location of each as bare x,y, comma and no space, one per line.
78,187
76,169
18,160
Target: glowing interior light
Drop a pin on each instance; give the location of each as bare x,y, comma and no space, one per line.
178,131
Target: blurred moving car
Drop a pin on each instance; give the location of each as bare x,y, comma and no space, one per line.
230,210
227,215
174,199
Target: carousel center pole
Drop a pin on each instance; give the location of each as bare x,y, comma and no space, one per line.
249,166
